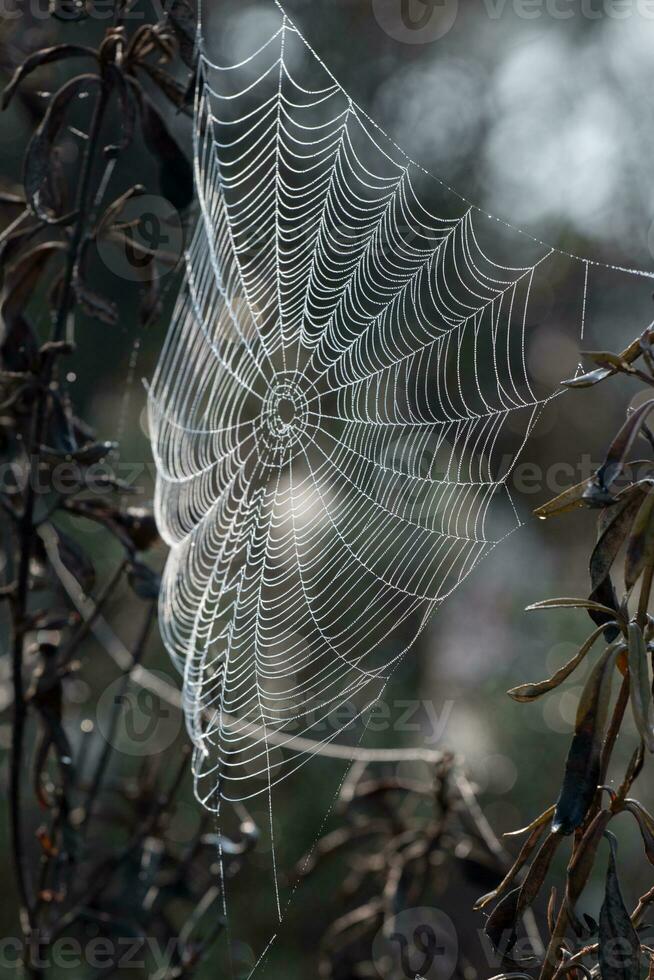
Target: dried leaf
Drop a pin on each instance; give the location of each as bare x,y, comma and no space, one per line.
538,829
529,692
566,603
538,872
645,824
605,596
45,56
606,358
589,379
582,863
38,158
640,688
640,547
570,499
543,818
614,526
501,924
614,362
619,946
583,763
617,453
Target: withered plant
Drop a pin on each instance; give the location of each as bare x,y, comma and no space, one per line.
621,645
101,862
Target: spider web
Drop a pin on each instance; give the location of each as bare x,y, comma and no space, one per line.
342,383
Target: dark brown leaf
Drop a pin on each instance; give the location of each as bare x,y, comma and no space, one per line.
537,872
537,831
619,946
45,56
640,687
645,824
529,692
501,924
640,546
614,526
571,603
38,158
582,863
570,499
583,763
589,379
616,456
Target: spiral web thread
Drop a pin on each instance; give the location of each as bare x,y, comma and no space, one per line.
340,382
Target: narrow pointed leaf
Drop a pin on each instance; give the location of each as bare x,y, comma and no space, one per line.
524,855
501,924
45,56
529,692
619,946
589,379
583,763
582,863
640,548
38,159
619,448
640,688
538,822
645,825
613,530
571,604
570,499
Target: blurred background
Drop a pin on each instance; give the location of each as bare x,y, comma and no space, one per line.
542,115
